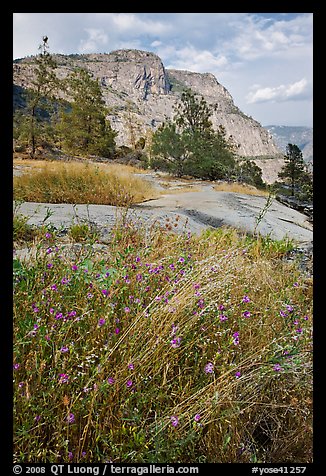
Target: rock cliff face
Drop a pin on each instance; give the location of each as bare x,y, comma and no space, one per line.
141,94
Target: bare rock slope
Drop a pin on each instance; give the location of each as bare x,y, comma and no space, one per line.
197,210
141,94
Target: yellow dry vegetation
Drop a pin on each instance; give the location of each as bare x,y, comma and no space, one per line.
80,182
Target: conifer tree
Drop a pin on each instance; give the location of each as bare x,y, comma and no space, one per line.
188,144
44,86
84,128
294,169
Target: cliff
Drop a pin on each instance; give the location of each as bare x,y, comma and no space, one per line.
141,94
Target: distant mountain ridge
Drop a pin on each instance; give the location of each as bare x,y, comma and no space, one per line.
298,135
141,94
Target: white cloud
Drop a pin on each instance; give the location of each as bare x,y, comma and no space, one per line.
192,59
130,22
297,90
96,39
268,51
255,37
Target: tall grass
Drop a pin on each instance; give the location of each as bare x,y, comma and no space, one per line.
239,188
76,182
165,349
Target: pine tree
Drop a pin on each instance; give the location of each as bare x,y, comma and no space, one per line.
294,169
44,86
192,114
169,149
189,145
84,128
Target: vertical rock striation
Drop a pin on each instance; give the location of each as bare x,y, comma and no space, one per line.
141,94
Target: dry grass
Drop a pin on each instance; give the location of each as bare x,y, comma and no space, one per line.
77,182
147,319
239,188
182,189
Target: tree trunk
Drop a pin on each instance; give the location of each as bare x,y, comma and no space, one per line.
33,140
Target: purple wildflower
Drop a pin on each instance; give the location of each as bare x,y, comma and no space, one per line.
174,421
111,380
127,309
105,292
129,383
201,303
176,342
209,368
48,235
221,307
48,251
16,366
70,455
246,314
63,378
49,265
101,322
289,308
277,368
245,299
283,314
21,384
299,330
70,418
37,418
236,338
64,349
74,267
131,366
237,374
181,260
59,315
54,287
223,318
197,417
117,330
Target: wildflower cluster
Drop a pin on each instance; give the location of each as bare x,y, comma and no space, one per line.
160,349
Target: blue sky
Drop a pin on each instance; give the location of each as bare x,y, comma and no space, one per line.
263,59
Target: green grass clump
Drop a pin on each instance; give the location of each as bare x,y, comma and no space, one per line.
82,232
22,231
166,348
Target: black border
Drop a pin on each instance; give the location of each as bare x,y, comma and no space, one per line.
6,219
